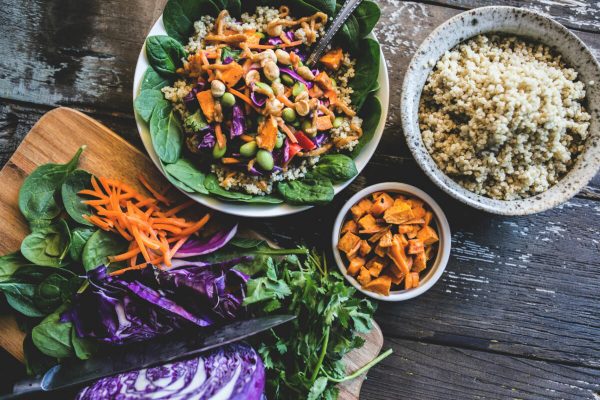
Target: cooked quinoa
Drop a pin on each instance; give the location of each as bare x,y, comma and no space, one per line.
503,117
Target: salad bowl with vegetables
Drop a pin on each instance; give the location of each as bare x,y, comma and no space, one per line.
232,116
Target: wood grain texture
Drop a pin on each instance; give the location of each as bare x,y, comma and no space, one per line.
55,138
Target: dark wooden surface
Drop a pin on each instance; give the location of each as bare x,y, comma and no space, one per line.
517,312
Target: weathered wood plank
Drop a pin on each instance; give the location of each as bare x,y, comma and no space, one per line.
575,14
425,371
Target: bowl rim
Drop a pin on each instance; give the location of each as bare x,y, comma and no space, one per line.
249,209
443,254
584,170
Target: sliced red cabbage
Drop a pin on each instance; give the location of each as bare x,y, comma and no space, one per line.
208,140
233,372
190,100
258,99
238,121
295,76
320,139
194,247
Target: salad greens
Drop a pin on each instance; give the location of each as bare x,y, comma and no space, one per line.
165,55
76,181
99,246
48,245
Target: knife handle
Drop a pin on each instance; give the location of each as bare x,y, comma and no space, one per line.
24,388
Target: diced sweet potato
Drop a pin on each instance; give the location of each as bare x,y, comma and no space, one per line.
364,276
428,252
348,243
415,246
382,203
413,233
419,212
315,92
207,104
355,265
398,256
232,75
396,275
420,262
324,123
378,235
332,59
380,251
408,281
405,228
415,203
367,222
428,217
415,279
386,239
415,221
402,239
427,235
380,285
398,213
324,81
365,249
375,266
361,208
350,226
267,134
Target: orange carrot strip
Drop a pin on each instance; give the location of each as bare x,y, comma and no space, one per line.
178,245
140,242
221,140
291,44
146,202
244,98
246,138
247,64
123,233
98,222
179,208
285,101
195,227
168,228
105,185
180,222
154,192
95,185
229,160
99,202
93,193
131,268
124,256
287,131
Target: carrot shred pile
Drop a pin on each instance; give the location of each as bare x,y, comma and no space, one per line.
153,233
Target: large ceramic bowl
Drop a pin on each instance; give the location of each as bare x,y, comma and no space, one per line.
255,210
523,23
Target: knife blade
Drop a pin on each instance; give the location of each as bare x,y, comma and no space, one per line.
144,355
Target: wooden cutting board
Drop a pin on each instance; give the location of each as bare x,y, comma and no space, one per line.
55,138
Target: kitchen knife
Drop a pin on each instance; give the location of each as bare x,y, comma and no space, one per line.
141,355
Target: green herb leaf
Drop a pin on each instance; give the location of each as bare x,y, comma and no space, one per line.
10,263
371,114
36,362
307,191
366,72
337,167
79,237
153,80
53,337
179,16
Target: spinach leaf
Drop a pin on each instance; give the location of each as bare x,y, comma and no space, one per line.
348,35
99,246
55,290
165,54
211,183
187,173
146,101
10,263
152,80
84,348
36,362
366,72
47,246
367,14
307,191
179,16
37,196
79,237
234,7
370,113
166,132
53,337
326,6
336,167
75,182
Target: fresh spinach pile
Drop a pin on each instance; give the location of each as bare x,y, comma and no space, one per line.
41,278
166,52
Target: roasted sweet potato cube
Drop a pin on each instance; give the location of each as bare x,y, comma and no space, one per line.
350,226
428,217
419,212
428,252
399,198
420,262
398,213
427,235
405,228
402,239
380,285
382,203
375,266
395,274
349,243
386,239
398,256
367,222
378,235
415,246
380,251
415,221
355,265
361,208
413,234
364,276
365,248
415,279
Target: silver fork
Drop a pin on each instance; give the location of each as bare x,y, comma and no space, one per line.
345,12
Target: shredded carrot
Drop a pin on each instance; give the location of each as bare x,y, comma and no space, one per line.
179,208
154,192
288,132
246,138
244,98
285,101
230,160
221,140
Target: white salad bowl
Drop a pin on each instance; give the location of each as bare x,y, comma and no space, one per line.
434,271
258,210
527,24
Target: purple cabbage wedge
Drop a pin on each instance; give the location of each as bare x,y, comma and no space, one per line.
233,372
258,99
238,121
208,141
295,76
195,247
320,139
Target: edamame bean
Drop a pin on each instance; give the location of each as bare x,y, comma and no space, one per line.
264,158
288,114
218,152
248,149
298,88
296,124
280,139
337,122
228,100
306,125
286,80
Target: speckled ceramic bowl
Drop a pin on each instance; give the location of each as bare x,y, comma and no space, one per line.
523,23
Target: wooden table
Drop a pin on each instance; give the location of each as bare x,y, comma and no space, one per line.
517,312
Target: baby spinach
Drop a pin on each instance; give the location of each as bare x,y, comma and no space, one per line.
47,246
53,337
211,183
145,103
37,196
179,16
165,54
234,7
366,72
10,263
326,6
79,237
153,80
36,362
336,167
55,290
370,113
101,245
185,172
349,34
82,347
76,181
166,132
307,191
367,14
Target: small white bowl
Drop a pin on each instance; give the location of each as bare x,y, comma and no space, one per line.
434,271
519,22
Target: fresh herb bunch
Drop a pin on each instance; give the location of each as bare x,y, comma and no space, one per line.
306,362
